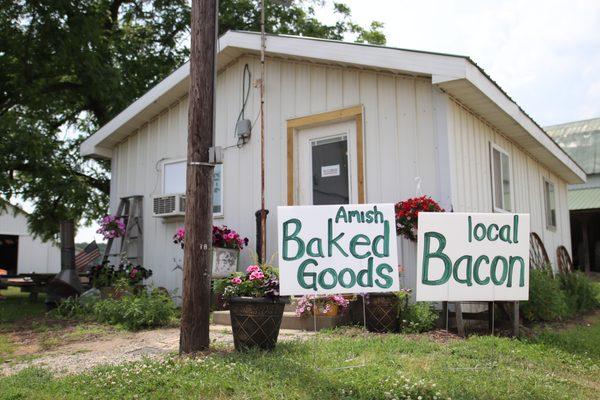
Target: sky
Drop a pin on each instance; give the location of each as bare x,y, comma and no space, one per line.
544,54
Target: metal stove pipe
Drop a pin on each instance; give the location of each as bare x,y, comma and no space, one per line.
66,283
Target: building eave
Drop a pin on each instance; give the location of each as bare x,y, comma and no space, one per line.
457,75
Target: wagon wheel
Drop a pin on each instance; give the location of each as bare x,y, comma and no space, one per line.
538,257
565,264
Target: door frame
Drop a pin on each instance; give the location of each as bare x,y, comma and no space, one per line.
345,114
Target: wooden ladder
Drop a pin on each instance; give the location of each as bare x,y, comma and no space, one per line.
132,243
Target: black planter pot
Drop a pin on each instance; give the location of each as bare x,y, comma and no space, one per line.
381,310
357,316
255,321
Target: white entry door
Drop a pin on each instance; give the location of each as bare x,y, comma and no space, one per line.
327,166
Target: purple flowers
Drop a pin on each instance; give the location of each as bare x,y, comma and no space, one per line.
111,227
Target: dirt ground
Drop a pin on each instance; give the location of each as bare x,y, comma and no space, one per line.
104,346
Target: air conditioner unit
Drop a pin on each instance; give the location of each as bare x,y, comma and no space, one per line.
172,205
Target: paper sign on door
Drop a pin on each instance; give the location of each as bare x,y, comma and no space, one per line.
330,170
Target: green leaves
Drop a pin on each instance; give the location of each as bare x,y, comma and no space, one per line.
68,67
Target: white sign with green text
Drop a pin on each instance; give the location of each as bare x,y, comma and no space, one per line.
473,257
348,248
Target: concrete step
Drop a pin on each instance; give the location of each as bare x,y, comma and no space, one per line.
291,321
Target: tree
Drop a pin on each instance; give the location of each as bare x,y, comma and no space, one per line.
68,67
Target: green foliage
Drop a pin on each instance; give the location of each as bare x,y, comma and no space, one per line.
136,312
133,312
296,17
70,308
417,318
68,67
580,292
547,302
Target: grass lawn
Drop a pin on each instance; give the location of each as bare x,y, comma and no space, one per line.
552,365
17,306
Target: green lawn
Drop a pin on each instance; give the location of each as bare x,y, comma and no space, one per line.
17,306
552,364
561,365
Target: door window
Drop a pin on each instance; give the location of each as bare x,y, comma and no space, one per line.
330,184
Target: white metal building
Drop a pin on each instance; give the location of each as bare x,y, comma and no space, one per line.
20,252
350,122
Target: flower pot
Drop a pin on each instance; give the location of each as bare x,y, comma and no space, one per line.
381,312
255,321
355,308
319,311
224,262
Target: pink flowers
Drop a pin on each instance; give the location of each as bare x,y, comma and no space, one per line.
323,304
256,281
254,272
111,227
236,280
256,275
221,237
252,268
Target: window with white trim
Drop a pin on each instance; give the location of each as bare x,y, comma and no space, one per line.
550,203
502,198
174,173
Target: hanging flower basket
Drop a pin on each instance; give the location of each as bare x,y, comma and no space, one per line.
407,215
111,227
226,243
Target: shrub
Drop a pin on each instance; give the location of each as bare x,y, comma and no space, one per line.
145,310
417,318
547,302
136,312
581,293
69,308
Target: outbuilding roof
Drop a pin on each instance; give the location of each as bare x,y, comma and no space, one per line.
584,199
457,75
581,140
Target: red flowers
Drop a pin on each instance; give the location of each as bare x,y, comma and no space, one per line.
407,214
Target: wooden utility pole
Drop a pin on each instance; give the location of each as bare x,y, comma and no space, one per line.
195,311
263,213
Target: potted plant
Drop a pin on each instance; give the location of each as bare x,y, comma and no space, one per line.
226,244
407,215
325,306
105,276
382,310
255,306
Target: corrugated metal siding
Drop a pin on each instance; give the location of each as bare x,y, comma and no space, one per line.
581,141
584,199
398,148
471,139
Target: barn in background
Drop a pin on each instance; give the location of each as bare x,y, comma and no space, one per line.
20,252
581,140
